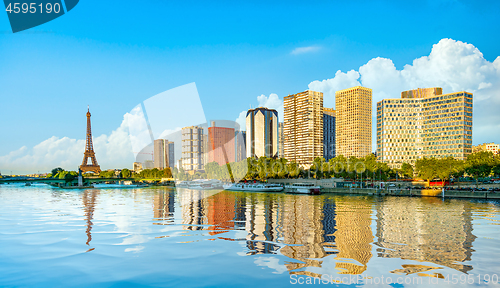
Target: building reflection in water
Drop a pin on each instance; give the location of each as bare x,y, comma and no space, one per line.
354,235
89,201
221,212
432,231
163,207
194,205
306,229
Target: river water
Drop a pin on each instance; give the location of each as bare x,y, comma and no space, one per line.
163,237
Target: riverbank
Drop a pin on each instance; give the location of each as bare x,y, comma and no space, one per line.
415,193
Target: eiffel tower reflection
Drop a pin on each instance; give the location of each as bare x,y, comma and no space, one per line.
89,202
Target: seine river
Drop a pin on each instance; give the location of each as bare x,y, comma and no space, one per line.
156,237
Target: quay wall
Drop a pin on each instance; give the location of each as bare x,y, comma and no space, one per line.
414,193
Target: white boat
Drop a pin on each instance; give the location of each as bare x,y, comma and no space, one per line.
253,187
302,188
181,184
200,184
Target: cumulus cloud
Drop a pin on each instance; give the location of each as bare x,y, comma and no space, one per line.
453,65
241,120
329,86
303,50
272,101
112,151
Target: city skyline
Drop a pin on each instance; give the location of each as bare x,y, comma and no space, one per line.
113,69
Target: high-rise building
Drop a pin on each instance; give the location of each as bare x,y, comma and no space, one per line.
488,147
221,144
192,148
262,132
281,140
163,154
205,149
148,164
353,132
328,133
303,127
240,145
431,125
137,167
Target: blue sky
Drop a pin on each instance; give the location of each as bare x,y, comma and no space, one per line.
112,55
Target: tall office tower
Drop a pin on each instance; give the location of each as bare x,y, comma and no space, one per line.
163,154
303,127
434,125
328,133
192,148
221,144
353,134
262,132
240,145
281,140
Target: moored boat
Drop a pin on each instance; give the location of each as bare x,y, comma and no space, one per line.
303,188
200,184
254,187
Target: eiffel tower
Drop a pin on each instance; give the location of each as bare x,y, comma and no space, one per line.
89,152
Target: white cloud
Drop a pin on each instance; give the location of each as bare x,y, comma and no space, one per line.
271,102
140,135
241,120
303,50
113,151
453,65
329,86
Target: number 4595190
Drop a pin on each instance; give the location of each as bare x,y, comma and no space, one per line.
33,8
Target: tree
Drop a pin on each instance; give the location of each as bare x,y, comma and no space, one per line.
317,167
293,169
167,172
496,167
383,171
407,170
56,170
445,168
125,173
479,164
339,166
107,174
426,168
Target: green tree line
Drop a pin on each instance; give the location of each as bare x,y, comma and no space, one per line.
153,173
477,165
265,168
59,173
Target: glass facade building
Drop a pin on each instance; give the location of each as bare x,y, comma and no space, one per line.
328,133
431,125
